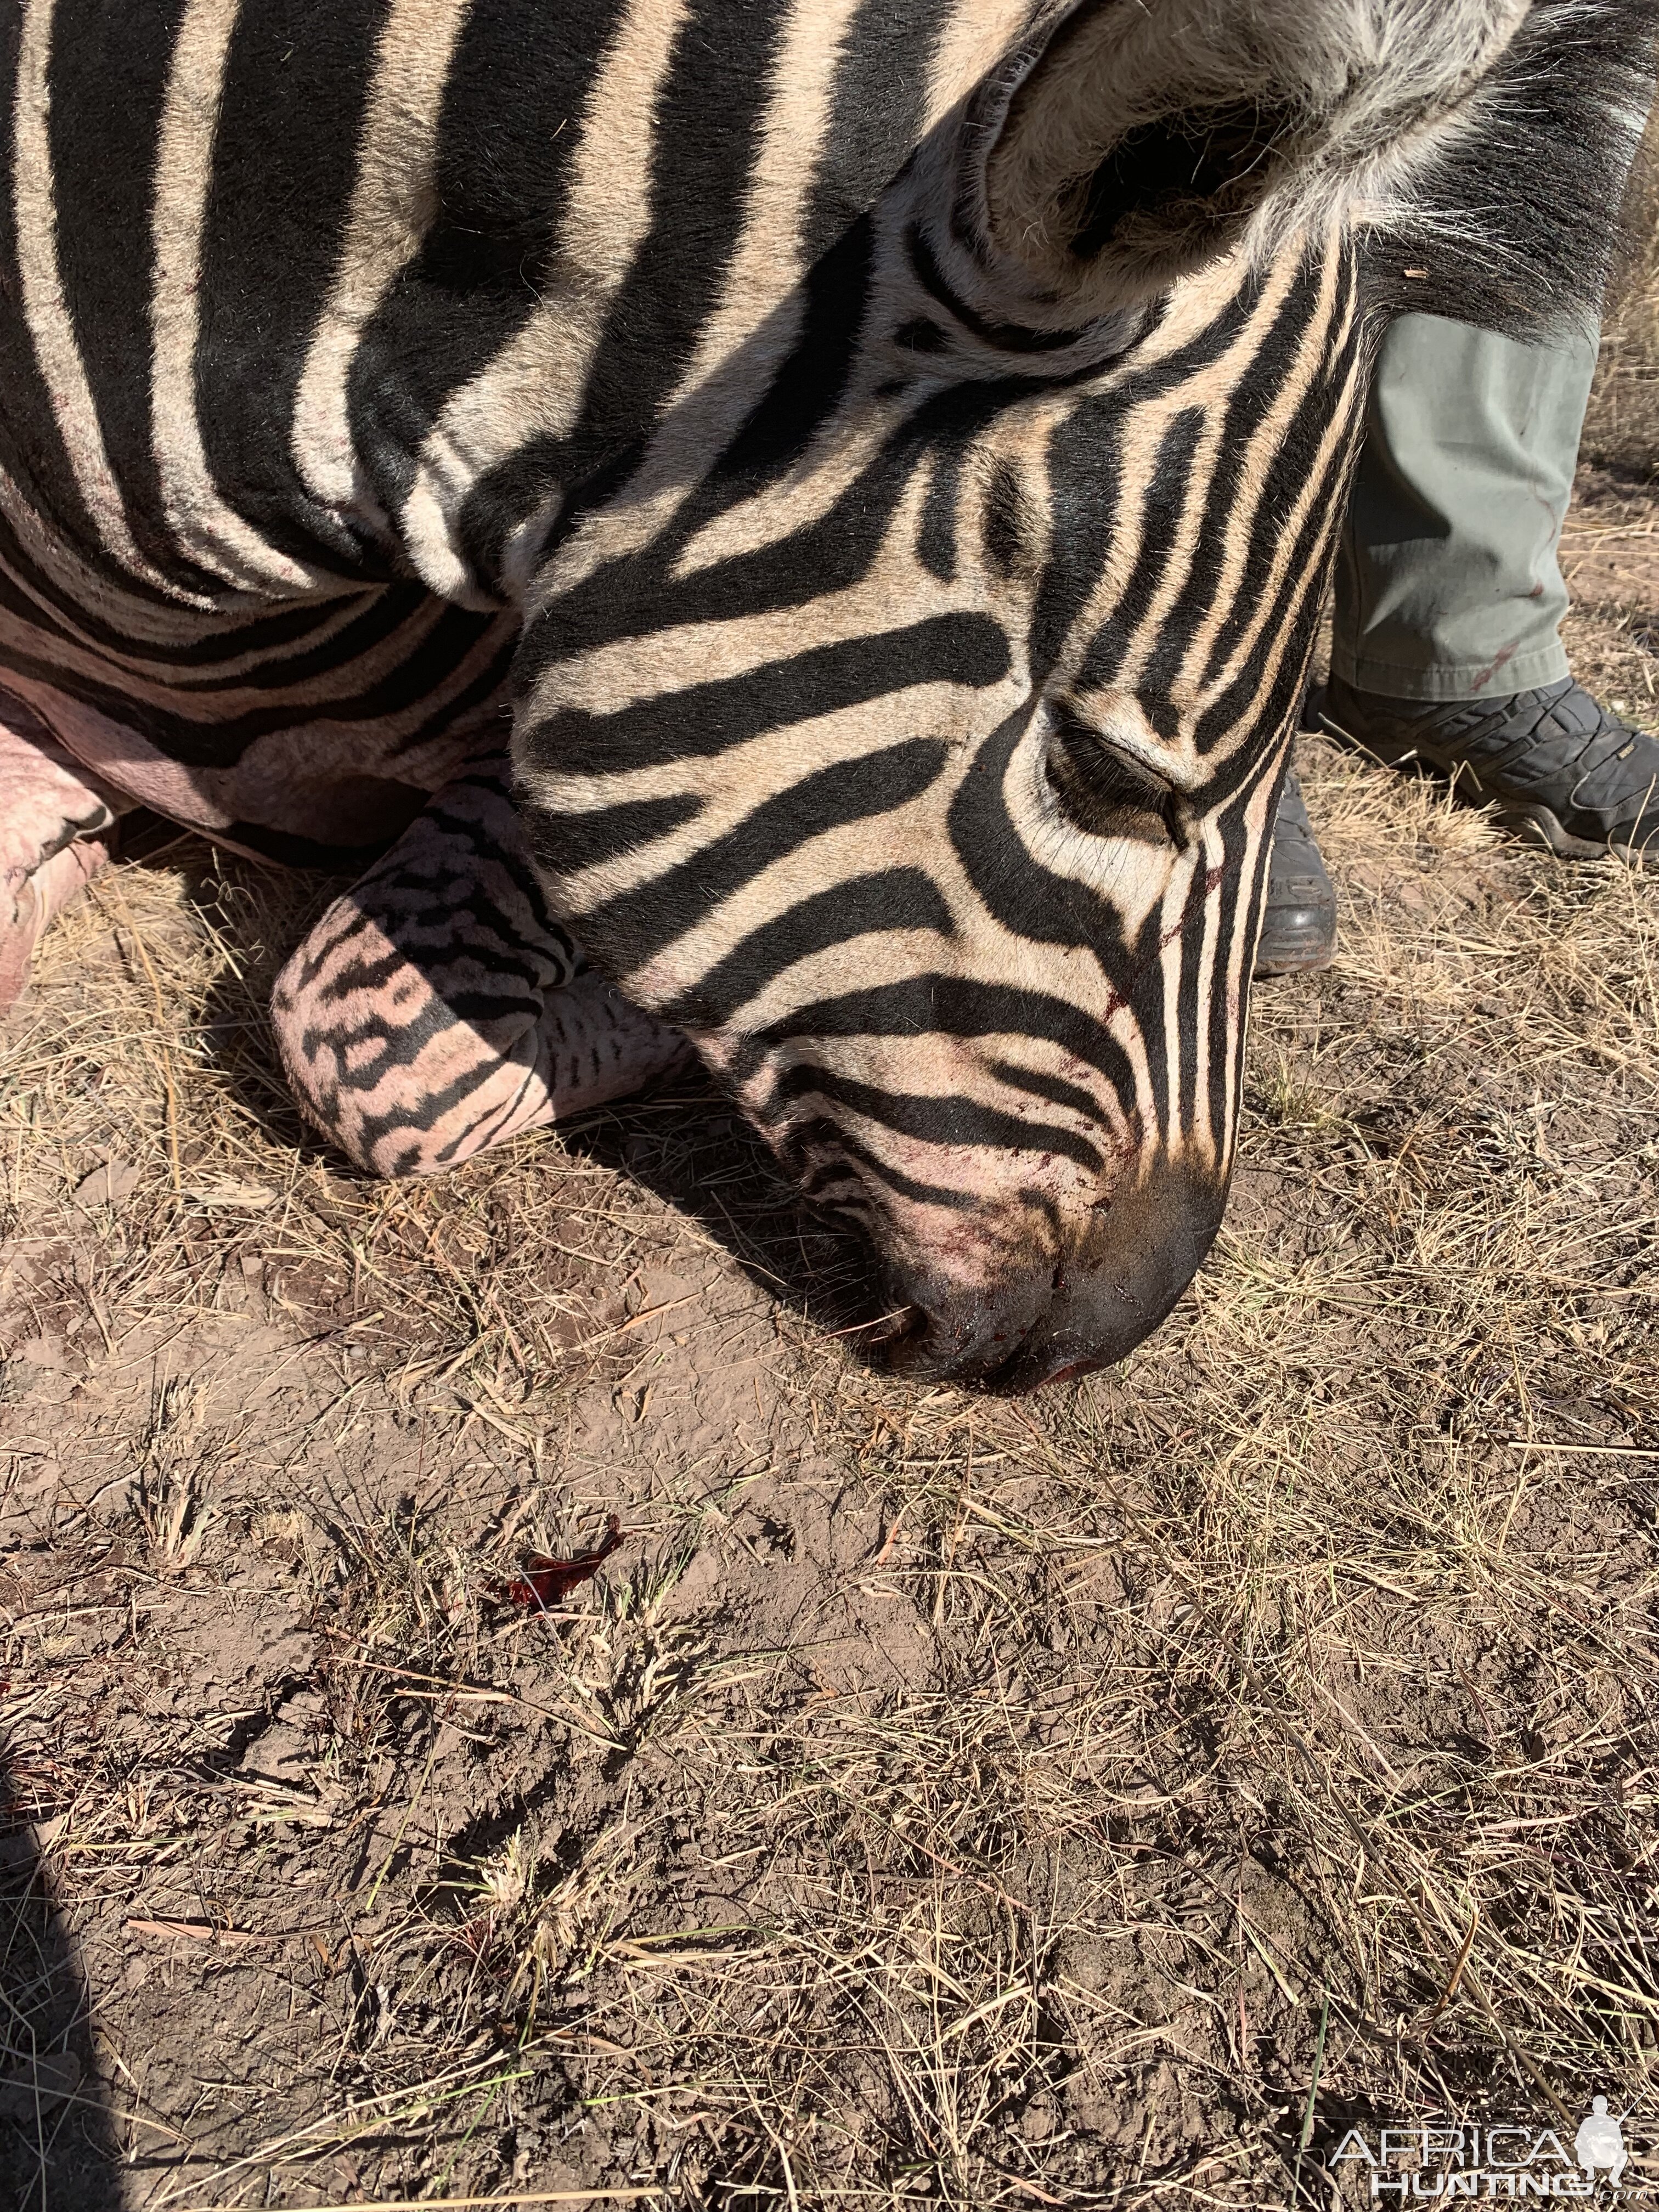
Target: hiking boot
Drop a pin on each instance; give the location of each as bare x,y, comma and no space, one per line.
1298,927
1553,763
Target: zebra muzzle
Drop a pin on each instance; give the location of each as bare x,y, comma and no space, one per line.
1056,1319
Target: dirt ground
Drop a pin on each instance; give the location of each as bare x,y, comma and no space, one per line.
1105,1798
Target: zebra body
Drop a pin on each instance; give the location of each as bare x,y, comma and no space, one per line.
878,458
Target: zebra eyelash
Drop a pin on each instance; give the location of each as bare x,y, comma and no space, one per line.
1101,789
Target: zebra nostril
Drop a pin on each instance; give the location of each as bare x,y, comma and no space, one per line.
894,1327
908,1344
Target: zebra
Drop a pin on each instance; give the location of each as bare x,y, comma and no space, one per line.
787,530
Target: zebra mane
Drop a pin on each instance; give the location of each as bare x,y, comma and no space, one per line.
1472,233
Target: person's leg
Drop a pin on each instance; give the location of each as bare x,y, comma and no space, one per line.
1447,652
1447,586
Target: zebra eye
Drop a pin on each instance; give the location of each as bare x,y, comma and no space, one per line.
1105,791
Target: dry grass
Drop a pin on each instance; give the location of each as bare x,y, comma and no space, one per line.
935,1800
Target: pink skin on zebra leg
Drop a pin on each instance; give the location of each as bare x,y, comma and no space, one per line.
51,815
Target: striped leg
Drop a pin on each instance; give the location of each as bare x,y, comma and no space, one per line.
438,1008
51,816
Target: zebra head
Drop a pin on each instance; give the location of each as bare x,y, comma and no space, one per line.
905,720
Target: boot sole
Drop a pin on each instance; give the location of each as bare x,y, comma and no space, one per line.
1535,824
1289,963
1297,951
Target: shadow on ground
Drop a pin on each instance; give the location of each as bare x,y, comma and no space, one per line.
58,2145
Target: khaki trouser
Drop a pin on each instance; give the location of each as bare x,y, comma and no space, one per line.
1447,583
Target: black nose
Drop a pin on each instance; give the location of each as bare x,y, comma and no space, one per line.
1062,1318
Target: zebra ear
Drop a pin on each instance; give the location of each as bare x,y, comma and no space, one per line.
1141,138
